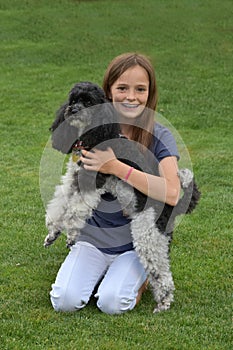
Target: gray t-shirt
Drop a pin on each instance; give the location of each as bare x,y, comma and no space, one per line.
108,229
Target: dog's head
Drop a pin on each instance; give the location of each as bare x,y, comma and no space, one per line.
85,120
82,95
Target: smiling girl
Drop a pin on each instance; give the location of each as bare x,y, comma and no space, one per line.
104,254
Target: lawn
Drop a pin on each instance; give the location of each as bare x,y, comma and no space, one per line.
47,46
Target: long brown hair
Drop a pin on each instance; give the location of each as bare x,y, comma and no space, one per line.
116,68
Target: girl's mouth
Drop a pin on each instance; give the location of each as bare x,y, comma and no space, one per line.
128,105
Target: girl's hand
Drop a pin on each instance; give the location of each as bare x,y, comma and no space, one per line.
101,161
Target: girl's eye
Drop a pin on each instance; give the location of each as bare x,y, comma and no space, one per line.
121,88
141,89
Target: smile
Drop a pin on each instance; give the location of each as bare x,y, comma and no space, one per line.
127,105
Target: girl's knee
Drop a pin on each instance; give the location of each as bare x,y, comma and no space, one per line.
113,303
64,301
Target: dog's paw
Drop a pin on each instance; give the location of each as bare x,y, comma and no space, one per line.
70,242
161,307
186,177
50,238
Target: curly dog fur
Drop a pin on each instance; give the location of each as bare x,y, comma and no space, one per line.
77,127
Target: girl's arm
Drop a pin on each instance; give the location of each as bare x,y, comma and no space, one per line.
164,188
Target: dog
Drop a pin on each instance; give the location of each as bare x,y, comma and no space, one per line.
87,121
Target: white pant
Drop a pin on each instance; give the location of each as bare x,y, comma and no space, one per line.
122,276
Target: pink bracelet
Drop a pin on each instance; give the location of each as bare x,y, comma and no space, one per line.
128,174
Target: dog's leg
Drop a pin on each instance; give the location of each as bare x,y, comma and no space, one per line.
54,214
151,246
191,195
152,249
58,205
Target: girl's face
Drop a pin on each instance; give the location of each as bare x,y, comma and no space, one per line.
130,92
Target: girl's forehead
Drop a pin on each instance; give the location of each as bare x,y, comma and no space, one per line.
135,74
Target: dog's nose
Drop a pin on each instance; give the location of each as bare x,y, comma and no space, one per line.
74,110
76,107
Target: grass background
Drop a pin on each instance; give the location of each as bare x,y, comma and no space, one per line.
47,46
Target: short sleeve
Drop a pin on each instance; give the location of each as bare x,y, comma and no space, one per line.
164,143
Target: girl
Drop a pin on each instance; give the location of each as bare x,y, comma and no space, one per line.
104,253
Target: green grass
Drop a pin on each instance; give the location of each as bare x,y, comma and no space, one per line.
45,47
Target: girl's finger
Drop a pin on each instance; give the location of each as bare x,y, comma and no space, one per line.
87,154
86,160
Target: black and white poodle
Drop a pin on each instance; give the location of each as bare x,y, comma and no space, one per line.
88,121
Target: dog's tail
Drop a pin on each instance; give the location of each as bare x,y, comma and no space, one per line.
191,195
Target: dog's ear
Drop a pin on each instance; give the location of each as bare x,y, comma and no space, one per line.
99,94
64,136
60,117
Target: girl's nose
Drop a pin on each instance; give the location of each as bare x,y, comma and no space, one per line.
130,95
